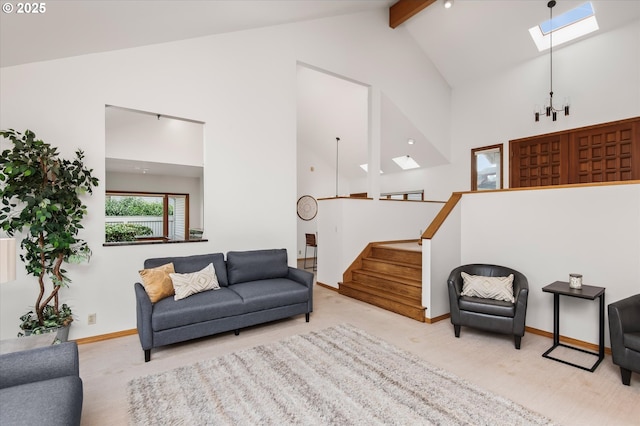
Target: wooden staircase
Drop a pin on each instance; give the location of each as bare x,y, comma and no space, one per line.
388,275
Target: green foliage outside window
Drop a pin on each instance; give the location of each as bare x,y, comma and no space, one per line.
133,206
119,232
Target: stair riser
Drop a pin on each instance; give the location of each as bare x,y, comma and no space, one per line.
414,302
408,311
402,256
391,269
389,286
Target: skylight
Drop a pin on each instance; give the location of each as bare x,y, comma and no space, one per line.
365,167
568,26
406,162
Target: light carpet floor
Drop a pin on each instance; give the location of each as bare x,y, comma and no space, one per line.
337,376
565,394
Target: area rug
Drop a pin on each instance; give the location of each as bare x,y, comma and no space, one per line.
338,376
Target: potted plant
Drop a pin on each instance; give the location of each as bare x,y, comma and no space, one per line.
40,195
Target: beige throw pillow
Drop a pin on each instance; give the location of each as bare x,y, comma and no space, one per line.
498,288
187,284
157,282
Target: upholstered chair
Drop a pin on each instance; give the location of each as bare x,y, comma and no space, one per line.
500,316
624,329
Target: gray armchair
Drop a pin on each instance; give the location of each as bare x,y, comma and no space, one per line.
41,386
624,329
488,314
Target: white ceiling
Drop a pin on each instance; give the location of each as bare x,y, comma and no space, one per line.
70,28
476,38
473,39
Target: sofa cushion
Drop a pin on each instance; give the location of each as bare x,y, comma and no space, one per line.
200,307
244,266
157,282
487,306
272,293
194,282
49,402
187,264
632,341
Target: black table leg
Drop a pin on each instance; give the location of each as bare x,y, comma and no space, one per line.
601,342
556,319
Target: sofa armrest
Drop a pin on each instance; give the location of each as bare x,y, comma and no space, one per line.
624,317
144,308
305,278
34,365
300,276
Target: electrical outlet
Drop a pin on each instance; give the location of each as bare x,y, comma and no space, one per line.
300,252
91,319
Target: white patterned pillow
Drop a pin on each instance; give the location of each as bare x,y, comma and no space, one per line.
498,288
187,284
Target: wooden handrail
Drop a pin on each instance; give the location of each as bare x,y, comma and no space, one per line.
441,216
456,196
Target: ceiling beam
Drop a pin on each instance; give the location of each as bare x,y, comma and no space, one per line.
402,10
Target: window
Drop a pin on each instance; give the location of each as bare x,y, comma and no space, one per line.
568,26
486,168
405,196
131,217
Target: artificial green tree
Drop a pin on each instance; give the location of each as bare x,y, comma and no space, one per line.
40,195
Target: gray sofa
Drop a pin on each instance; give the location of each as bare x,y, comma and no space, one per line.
255,287
41,386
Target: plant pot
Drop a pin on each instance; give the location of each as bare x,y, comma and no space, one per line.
62,333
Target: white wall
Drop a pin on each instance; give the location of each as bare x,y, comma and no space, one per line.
601,75
134,135
347,225
242,86
548,234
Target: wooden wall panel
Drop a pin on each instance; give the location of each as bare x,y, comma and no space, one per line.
608,152
538,162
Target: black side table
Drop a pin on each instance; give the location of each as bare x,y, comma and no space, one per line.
589,292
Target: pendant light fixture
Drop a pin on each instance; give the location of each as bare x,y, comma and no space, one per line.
549,109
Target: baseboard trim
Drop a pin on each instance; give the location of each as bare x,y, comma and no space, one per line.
436,319
326,286
108,336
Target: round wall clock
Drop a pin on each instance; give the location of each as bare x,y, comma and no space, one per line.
307,207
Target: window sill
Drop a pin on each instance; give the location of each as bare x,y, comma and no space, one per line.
148,242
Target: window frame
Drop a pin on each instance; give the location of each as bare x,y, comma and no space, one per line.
474,166
165,216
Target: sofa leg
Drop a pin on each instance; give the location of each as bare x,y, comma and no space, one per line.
236,332
517,340
147,355
456,330
306,317
626,376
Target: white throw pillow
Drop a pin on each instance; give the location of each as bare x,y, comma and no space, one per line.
498,288
187,284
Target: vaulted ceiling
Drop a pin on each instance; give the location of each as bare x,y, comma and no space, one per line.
468,42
